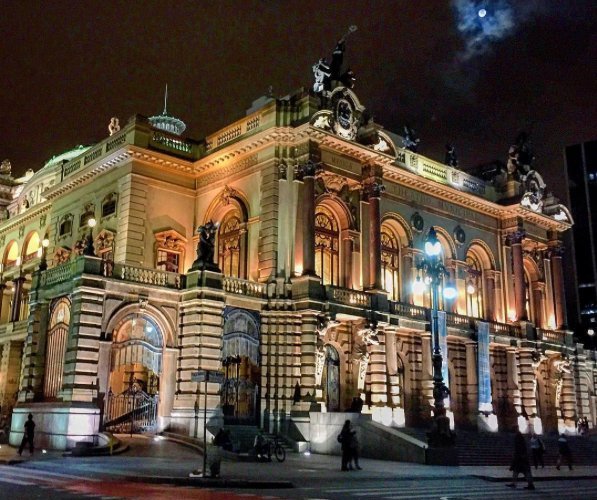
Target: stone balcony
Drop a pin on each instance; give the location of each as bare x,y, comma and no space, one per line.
343,300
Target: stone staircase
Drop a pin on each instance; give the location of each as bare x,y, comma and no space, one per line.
484,448
243,437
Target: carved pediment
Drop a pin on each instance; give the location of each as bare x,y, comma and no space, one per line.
61,255
171,240
104,241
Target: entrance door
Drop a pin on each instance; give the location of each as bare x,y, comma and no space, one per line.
332,378
241,364
136,364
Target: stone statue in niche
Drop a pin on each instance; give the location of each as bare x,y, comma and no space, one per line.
520,156
410,140
114,125
206,247
5,167
326,75
451,157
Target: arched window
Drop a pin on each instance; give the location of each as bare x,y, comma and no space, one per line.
229,245
33,247
390,262
474,287
326,246
12,254
56,347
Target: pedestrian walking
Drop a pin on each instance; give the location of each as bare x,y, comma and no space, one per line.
28,435
564,453
520,462
345,439
537,450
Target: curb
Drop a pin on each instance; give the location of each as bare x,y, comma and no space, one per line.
535,479
213,483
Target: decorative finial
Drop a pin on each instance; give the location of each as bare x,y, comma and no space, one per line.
113,126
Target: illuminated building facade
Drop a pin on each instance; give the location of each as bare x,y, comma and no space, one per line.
308,299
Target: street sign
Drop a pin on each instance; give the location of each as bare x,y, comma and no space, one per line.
213,376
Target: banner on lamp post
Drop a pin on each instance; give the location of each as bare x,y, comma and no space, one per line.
483,374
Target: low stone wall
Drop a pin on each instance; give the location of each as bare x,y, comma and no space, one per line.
57,427
375,440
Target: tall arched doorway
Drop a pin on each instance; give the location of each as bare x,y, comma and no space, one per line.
331,378
241,364
135,369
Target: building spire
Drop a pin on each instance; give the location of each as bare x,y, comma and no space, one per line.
165,101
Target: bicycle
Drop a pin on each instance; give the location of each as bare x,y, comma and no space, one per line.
276,449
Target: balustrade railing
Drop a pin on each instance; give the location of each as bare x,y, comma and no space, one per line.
410,310
59,274
146,276
553,336
459,321
348,297
243,287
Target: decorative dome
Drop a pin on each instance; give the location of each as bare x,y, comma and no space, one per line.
167,123
67,155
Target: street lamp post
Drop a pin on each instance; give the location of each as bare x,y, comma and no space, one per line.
43,263
433,271
89,250
591,334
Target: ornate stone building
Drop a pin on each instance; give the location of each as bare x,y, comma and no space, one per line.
308,300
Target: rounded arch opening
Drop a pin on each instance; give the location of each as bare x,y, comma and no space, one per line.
32,245
327,245
11,254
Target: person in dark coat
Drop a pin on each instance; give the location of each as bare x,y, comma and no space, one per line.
28,435
346,438
520,462
564,453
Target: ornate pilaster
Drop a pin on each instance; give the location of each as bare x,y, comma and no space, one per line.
372,189
514,241
15,310
348,241
539,302
555,252
306,173
379,390
489,277
309,341
409,274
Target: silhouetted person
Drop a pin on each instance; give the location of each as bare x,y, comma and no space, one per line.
354,452
537,450
564,453
520,462
28,436
345,438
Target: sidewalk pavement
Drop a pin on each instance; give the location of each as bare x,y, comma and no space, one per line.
169,463
10,456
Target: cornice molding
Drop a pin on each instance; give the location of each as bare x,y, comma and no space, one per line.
25,217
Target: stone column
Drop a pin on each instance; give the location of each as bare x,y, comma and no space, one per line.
372,189
243,251
408,272
557,273
32,366
539,303
472,382
514,240
10,367
308,353
81,363
527,384
489,299
347,251
306,173
2,288
15,310
378,370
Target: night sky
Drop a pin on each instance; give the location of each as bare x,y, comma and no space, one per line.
67,67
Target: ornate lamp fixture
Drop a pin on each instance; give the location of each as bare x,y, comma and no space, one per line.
89,250
432,272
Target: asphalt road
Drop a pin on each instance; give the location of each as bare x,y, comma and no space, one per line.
132,476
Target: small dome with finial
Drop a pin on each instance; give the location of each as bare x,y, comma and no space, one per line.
167,123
